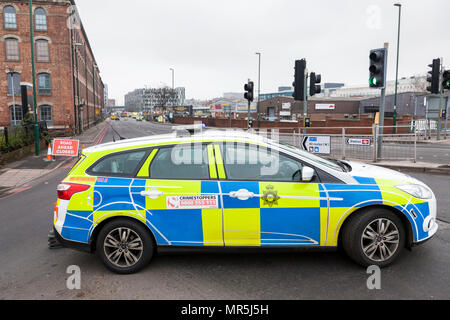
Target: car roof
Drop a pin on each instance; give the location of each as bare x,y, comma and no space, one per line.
176,138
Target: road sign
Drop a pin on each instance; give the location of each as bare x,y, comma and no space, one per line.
325,106
65,148
317,144
359,142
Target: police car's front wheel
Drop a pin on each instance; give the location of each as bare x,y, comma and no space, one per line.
124,246
374,237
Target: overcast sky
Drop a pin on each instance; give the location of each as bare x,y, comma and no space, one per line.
211,44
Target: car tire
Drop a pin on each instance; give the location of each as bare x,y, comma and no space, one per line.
125,246
374,237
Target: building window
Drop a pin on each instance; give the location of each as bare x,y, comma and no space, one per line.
44,83
16,115
40,18
45,114
13,83
9,16
42,51
12,49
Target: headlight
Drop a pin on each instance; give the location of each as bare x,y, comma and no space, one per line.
416,190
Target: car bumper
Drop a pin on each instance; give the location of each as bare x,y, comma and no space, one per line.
84,247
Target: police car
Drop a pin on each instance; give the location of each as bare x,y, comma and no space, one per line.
214,189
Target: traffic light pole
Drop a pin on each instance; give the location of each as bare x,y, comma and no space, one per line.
441,99
382,108
305,100
381,123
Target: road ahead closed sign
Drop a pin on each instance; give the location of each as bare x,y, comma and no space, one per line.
66,148
317,144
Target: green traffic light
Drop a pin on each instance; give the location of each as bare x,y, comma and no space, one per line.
373,81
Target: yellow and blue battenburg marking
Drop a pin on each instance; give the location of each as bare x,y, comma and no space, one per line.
205,213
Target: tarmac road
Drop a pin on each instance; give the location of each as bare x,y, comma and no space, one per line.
29,270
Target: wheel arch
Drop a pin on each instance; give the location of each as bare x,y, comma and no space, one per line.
406,224
100,226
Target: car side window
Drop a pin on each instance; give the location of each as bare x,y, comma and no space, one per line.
181,162
252,162
121,164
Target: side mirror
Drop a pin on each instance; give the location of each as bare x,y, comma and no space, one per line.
307,174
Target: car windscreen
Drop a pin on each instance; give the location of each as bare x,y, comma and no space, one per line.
309,156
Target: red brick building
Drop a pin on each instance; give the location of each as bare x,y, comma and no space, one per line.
70,91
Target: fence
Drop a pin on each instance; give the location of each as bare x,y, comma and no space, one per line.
359,143
13,138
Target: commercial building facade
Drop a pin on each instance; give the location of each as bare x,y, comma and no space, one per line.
69,88
147,99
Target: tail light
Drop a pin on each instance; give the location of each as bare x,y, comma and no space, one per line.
55,211
67,190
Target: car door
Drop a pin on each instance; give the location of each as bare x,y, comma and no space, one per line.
264,202
181,196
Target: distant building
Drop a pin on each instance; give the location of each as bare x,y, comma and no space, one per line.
114,109
111,102
106,94
147,99
134,100
413,84
233,95
286,91
70,90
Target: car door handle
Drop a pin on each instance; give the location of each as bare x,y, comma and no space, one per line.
152,193
242,194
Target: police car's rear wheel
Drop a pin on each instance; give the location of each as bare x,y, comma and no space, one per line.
374,237
124,246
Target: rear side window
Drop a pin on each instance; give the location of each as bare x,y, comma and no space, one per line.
181,162
125,164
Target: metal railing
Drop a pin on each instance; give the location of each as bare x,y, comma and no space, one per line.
16,137
359,143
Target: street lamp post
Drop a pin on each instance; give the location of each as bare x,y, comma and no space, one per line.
36,127
173,78
396,71
259,87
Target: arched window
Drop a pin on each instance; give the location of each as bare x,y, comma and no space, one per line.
42,50
9,16
16,115
12,49
14,83
44,86
40,19
45,114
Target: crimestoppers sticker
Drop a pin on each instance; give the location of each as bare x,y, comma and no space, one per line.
193,202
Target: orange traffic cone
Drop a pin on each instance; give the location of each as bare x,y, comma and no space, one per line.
49,153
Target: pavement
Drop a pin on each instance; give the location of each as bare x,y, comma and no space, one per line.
414,166
19,176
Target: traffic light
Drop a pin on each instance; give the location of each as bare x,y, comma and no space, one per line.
249,87
377,69
433,76
307,123
299,82
446,81
313,81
